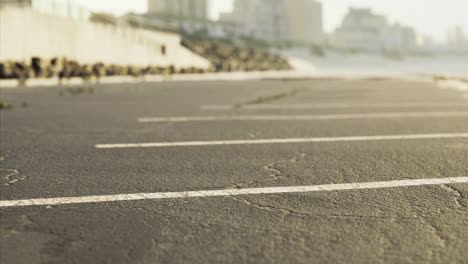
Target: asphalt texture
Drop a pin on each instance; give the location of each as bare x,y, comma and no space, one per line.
48,150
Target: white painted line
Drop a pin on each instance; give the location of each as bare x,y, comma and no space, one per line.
229,192
279,141
331,105
300,117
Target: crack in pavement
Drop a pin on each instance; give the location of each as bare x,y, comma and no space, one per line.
436,232
274,172
271,98
24,223
457,193
284,212
267,207
433,229
11,176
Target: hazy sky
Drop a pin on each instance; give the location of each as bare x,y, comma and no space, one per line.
432,17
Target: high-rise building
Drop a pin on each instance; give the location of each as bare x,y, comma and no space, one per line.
52,7
298,21
305,21
16,3
456,37
182,9
398,37
261,19
188,16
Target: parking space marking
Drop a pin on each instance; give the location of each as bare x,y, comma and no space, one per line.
330,105
280,141
229,192
300,117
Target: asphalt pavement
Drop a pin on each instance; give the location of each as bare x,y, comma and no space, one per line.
323,170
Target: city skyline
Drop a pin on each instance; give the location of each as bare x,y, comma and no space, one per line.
437,18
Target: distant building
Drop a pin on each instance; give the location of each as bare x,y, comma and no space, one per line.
189,16
274,21
261,19
305,21
243,14
398,37
9,3
52,7
181,9
361,29
456,38
297,21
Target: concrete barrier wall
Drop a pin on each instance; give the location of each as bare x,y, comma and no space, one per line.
25,33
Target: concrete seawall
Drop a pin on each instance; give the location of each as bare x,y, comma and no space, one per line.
25,33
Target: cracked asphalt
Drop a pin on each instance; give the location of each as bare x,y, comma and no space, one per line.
47,150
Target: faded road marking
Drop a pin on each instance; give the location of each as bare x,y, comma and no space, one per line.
300,117
229,192
280,141
332,105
